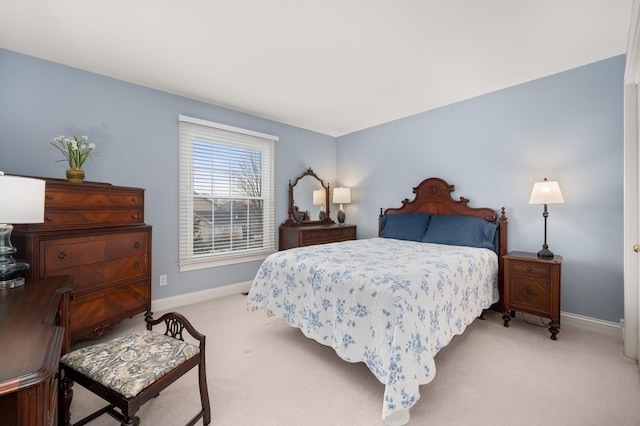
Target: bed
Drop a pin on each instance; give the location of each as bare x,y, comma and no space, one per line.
393,301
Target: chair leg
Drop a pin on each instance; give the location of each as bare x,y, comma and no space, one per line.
204,393
131,421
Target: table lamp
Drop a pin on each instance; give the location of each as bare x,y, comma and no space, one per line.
341,196
546,192
22,201
318,200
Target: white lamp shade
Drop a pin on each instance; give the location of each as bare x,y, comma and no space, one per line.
21,200
341,195
318,197
546,192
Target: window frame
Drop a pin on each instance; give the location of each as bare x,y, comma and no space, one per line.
189,129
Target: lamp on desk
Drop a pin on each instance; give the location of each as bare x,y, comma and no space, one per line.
546,192
341,196
318,200
21,201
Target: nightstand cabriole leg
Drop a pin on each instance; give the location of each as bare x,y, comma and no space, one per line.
554,329
506,317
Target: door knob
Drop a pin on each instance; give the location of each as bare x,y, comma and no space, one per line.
636,248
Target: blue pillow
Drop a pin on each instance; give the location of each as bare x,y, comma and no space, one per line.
460,231
409,226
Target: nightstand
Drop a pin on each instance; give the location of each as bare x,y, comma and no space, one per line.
532,285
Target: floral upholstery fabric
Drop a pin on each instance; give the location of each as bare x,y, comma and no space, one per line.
130,363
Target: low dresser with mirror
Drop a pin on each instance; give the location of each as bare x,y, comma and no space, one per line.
309,222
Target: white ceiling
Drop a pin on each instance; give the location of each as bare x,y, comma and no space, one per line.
332,66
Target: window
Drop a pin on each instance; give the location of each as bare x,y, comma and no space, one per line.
226,194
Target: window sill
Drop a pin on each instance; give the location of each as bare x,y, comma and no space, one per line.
195,264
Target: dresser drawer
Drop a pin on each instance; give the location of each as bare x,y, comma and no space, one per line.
130,297
88,205
87,218
57,197
89,278
86,311
530,268
72,252
91,315
300,236
323,236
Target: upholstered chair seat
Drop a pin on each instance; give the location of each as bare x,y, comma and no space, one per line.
130,363
130,370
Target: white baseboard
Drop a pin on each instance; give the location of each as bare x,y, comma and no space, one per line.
594,325
174,302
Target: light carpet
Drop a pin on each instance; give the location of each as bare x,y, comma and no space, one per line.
262,372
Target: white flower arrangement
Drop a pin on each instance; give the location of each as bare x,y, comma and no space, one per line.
75,151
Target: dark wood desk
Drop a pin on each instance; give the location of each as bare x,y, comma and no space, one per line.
34,321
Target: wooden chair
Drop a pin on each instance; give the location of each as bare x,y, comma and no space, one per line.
129,371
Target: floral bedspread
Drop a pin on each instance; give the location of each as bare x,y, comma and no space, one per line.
391,304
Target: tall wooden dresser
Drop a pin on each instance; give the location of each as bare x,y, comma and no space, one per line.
94,232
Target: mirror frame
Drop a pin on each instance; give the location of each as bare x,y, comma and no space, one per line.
291,220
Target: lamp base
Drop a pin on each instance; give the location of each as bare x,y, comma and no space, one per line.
341,217
10,270
11,283
545,253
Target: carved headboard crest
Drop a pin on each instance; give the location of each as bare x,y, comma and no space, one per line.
433,195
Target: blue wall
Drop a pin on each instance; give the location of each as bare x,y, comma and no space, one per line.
136,132
566,127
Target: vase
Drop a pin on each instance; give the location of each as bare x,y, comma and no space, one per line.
75,175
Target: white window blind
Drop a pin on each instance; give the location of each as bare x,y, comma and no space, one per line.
227,196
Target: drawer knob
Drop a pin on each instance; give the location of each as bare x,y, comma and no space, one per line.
136,245
49,197
136,295
529,291
529,269
49,218
62,255
136,265
134,216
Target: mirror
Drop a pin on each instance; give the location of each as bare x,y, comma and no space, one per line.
308,201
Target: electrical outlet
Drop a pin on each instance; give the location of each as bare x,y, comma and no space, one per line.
163,280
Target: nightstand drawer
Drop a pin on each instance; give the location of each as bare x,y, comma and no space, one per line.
531,294
528,268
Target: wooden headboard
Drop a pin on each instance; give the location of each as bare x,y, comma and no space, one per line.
433,195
